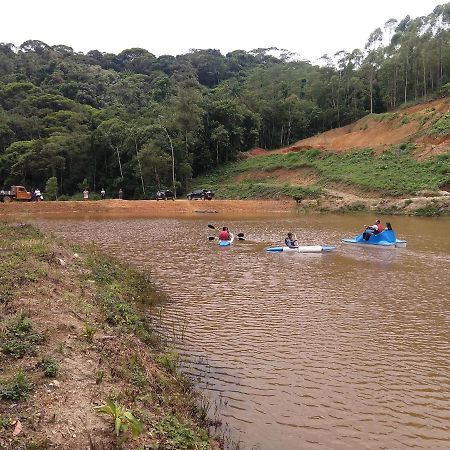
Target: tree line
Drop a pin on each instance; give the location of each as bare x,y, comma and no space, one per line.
141,122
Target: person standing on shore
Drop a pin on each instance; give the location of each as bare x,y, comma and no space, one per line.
86,194
103,193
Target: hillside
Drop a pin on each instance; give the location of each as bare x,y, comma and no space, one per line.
396,162
427,125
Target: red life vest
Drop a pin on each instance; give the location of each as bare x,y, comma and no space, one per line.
380,227
224,235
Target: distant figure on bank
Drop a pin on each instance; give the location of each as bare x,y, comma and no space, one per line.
102,194
376,228
290,241
38,196
86,194
120,194
224,235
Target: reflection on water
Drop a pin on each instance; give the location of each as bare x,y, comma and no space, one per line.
347,350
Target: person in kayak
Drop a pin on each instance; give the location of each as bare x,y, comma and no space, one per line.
224,235
290,241
377,228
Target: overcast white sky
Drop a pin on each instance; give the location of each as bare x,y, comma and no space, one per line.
309,28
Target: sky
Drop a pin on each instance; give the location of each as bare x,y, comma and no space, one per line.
308,28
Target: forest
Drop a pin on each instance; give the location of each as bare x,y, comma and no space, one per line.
140,122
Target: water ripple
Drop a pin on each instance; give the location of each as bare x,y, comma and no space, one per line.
343,350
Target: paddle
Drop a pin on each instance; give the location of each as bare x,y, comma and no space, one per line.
240,236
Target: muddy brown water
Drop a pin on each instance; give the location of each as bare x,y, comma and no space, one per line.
347,350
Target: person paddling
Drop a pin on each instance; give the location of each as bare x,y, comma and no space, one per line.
224,235
290,241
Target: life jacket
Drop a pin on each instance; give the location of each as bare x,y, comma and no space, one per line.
290,243
224,235
380,227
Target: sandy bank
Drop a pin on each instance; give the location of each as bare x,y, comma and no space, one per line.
148,208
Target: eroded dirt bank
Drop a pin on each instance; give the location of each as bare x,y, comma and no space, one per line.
73,335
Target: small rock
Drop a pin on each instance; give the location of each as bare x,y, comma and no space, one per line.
76,255
61,262
56,383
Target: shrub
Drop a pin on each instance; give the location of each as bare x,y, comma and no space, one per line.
174,435
49,366
16,388
19,338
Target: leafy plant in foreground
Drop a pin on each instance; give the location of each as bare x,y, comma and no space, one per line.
123,419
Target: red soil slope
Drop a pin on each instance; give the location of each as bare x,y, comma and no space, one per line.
404,125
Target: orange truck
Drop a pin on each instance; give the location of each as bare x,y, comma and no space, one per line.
18,193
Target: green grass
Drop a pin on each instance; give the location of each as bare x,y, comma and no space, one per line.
175,435
120,291
431,209
440,127
395,172
384,117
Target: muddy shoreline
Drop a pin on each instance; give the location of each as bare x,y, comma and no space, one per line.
331,201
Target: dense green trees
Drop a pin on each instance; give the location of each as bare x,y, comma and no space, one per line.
134,120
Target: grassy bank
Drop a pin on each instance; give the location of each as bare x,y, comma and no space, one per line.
395,173
80,366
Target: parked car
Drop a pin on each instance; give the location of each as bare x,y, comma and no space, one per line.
203,194
165,195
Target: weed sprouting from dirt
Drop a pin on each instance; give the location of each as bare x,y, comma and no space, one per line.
122,418
19,338
89,332
137,375
16,388
169,361
49,366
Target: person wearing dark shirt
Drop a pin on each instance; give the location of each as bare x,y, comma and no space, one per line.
290,241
